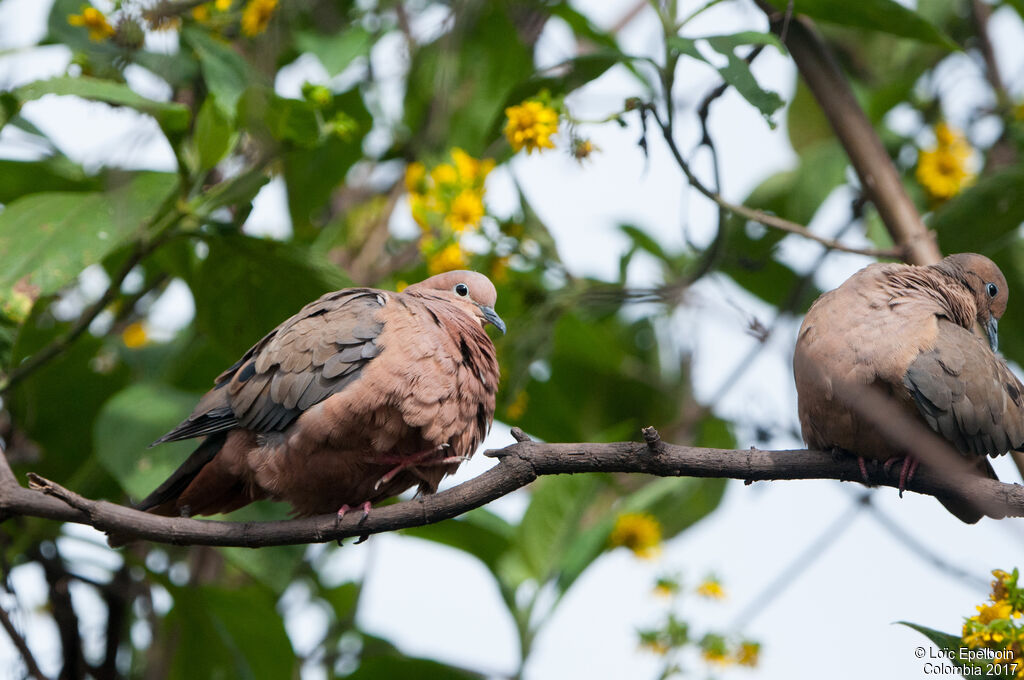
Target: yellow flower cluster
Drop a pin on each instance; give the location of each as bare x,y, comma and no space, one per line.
638,531
201,13
943,171
531,125
256,16
94,21
447,200
997,625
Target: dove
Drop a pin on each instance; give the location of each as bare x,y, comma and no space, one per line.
358,397
926,337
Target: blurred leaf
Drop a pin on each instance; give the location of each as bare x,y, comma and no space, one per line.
395,666
479,532
282,119
313,174
226,73
171,116
227,633
240,189
551,521
458,85
55,173
57,405
49,237
342,599
806,124
336,52
239,269
984,216
736,72
133,419
886,16
214,135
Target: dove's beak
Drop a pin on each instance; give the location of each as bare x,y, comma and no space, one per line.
491,316
992,330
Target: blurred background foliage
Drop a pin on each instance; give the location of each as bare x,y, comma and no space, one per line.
88,384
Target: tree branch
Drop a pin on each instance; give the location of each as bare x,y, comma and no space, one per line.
878,175
520,464
760,216
31,667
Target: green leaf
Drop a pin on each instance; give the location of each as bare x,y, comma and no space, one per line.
985,216
806,124
227,633
458,85
944,641
48,238
736,72
395,666
226,73
237,191
479,532
214,134
886,16
171,116
551,521
55,173
312,174
133,419
337,51
281,276
281,119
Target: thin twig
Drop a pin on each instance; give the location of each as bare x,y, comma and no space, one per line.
759,216
31,666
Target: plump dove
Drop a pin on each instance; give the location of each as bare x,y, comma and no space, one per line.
925,337
361,395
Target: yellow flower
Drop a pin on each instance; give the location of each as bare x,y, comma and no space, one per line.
499,270
530,125
517,408
415,178
466,211
716,656
666,587
135,336
942,171
256,16
711,589
987,613
448,258
444,174
401,285
638,531
655,645
748,653
222,5
93,20
201,13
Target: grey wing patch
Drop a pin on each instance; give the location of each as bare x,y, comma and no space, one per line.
306,359
967,394
315,354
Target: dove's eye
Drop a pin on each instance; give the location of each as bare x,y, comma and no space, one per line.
463,290
993,290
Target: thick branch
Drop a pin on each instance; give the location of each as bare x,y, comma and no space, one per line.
519,465
878,175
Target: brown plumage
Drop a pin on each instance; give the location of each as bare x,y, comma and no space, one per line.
361,395
924,336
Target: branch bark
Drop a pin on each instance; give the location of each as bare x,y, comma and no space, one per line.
519,464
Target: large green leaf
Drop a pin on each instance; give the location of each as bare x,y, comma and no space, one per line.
886,16
736,72
132,420
48,238
227,633
312,174
171,116
337,51
225,72
479,532
214,134
458,85
240,270
56,173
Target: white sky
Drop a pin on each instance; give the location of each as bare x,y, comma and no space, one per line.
836,619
